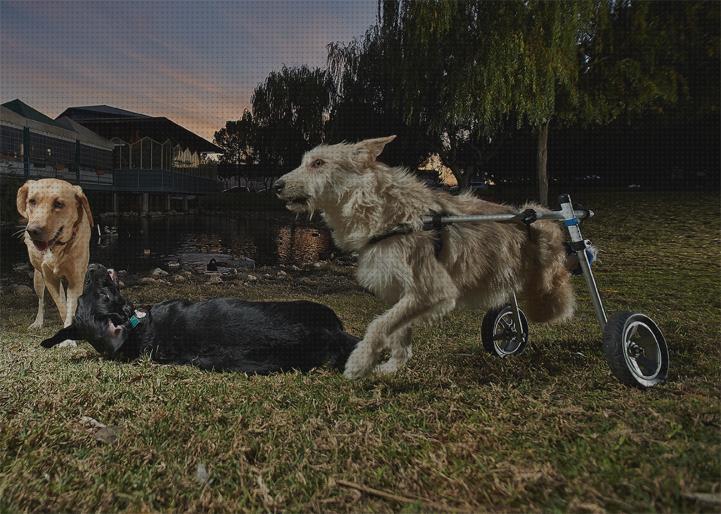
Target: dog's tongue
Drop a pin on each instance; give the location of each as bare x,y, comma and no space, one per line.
41,245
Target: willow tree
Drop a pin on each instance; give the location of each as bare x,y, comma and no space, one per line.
377,78
290,109
472,70
466,71
366,95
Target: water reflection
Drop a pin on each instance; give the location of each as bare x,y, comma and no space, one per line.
302,244
265,239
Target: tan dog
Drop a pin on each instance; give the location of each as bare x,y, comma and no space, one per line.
479,264
58,240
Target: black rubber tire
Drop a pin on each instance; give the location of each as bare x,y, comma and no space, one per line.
614,349
488,328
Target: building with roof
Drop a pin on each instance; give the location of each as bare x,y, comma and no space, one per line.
104,148
32,144
147,142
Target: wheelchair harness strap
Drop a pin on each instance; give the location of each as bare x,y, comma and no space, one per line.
436,224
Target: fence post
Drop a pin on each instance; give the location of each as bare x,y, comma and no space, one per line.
76,160
26,152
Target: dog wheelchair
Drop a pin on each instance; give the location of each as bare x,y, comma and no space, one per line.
634,347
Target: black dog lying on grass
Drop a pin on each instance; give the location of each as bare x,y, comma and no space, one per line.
222,334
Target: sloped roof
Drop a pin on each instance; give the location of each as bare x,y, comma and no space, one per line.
24,110
14,119
112,122
99,111
131,129
85,135
19,114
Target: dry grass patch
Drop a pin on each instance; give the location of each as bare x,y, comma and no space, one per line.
549,430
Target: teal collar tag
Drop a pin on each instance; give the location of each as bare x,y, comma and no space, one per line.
136,318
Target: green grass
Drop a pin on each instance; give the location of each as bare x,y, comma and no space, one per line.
550,430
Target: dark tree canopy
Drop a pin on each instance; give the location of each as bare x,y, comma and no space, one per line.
467,74
290,109
237,139
467,79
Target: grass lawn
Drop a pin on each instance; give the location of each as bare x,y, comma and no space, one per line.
549,430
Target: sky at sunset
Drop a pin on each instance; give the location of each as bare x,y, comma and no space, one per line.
196,63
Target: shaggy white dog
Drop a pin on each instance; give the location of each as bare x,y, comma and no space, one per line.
363,201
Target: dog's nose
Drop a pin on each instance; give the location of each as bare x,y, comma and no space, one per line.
278,186
35,231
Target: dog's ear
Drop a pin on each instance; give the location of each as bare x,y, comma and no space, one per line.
370,149
21,200
83,201
114,277
70,332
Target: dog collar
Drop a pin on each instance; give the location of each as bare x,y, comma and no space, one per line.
136,318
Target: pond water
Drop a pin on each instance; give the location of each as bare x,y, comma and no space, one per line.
142,244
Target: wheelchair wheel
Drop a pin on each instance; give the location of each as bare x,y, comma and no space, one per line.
499,334
636,350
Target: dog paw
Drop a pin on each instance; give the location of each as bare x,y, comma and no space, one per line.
36,325
68,343
358,365
388,367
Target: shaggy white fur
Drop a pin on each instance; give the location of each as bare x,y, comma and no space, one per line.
480,263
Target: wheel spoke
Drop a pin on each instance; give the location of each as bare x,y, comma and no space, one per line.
644,363
511,345
633,333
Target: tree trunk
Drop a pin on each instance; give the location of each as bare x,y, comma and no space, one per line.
464,181
542,163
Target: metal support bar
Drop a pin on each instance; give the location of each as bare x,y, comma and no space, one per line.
571,221
516,314
503,218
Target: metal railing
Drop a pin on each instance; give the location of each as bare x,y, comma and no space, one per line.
126,180
162,181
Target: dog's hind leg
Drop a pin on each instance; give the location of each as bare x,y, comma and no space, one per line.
39,284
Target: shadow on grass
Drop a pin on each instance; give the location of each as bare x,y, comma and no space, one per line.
538,363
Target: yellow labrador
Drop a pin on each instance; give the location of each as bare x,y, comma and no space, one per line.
58,240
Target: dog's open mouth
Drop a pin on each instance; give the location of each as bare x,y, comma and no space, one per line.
297,202
44,245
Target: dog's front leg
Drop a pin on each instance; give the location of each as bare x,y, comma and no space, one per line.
39,283
407,312
53,284
411,309
365,355
401,351
71,294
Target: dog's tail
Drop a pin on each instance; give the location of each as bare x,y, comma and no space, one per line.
548,293
343,346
